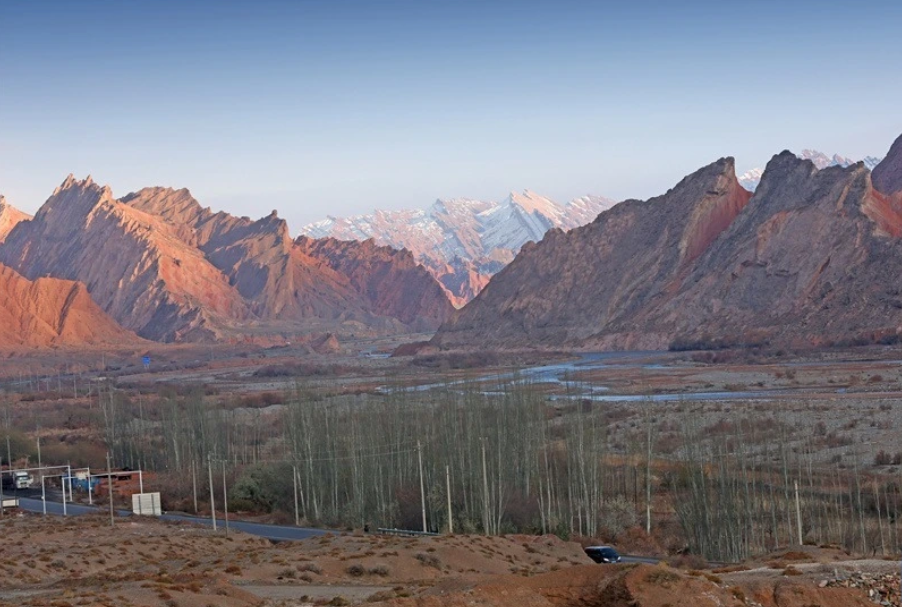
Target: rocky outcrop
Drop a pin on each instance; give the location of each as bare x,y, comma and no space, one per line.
10,217
49,312
391,282
887,175
812,259
569,286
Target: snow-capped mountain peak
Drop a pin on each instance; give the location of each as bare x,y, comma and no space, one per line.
465,235
750,179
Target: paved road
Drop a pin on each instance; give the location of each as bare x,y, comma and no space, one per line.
270,532
639,559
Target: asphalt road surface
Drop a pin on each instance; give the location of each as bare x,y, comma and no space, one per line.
270,532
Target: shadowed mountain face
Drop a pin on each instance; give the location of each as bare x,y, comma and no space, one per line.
171,270
812,258
888,174
53,312
388,280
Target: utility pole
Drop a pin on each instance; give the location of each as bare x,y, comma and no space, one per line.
448,492
647,471
485,491
294,480
194,482
90,489
225,498
43,494
40,465
798,512
109,477
212,500
422,485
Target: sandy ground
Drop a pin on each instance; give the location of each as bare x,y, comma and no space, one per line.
83,561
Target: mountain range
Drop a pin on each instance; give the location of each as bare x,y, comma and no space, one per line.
810,258
461,241
162,266
813,257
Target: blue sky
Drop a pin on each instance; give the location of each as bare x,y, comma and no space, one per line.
339,107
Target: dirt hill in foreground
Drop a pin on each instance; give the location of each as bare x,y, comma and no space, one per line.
83,561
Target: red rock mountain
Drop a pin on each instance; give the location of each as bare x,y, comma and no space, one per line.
10,217
171,270
52,312
812,258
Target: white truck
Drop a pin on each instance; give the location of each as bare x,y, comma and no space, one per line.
24,480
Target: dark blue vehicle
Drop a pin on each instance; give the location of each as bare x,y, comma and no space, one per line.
603,554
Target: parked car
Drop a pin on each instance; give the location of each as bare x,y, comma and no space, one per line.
603,554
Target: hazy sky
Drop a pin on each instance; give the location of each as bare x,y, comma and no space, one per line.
339,107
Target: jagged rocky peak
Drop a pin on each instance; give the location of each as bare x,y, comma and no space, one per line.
791,175
714,209
177,206
887,176
200,226
751,178
75,199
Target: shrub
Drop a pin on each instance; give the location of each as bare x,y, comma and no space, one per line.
263,488
430,560
309,567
